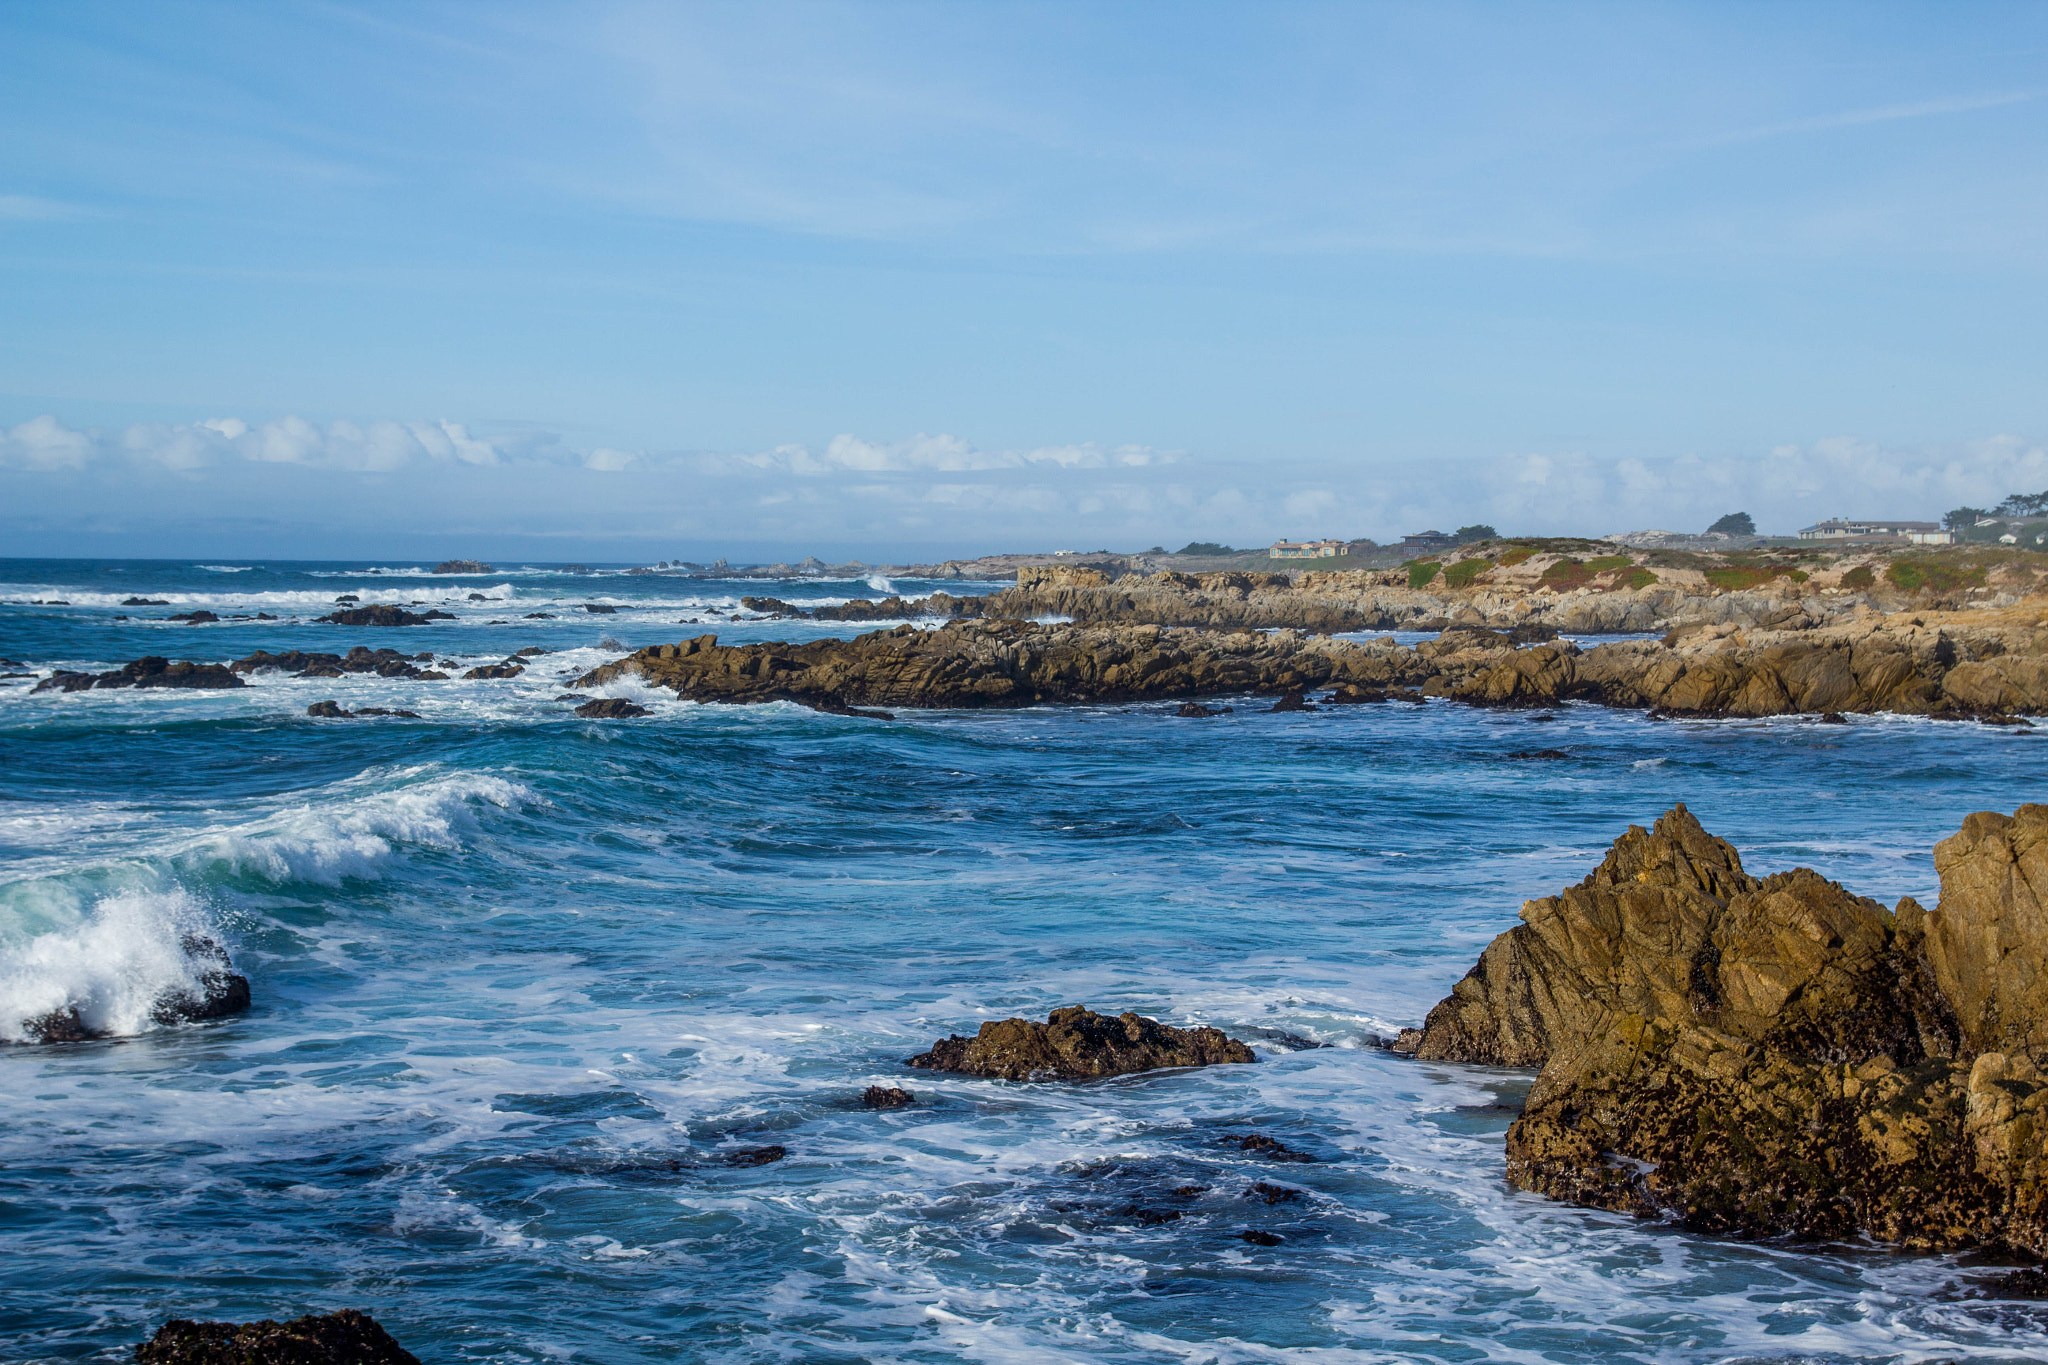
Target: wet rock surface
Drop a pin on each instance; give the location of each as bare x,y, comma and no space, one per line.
221,991
1778,1056
383,614
1076,1043
611,708
344,1338
149,671
1988,664
461,566
886,1097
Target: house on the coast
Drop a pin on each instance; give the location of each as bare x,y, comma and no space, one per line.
1424,541
1306,549
1844,528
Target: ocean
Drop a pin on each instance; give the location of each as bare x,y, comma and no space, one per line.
529,989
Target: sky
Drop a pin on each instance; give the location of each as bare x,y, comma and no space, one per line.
898,281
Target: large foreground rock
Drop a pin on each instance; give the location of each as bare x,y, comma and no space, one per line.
1076,1043
1777,1055
344,1338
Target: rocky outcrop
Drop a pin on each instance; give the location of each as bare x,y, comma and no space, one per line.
148,671
863,609
221,991
344,1338
332,710
610,708
1776,1055
461,566
1967,664
1076,1043
385,663
383,614
1579,588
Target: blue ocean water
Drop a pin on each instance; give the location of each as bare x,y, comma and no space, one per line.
522,982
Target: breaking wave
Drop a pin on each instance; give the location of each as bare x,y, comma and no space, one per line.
113,962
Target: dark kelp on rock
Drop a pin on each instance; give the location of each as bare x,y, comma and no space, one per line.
344,1338
1076,1043
1777,1056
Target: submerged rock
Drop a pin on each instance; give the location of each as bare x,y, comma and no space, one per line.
383,614
886,1097
1076,1043
1773,1056
344,1338
611,708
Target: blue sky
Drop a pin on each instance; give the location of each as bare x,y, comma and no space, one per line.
623,281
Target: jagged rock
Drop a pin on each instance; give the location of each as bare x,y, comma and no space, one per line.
1194,710
487,671
1075,1043
331,710
1293,701
1272,1149
755,1156
385,663
193,618
1873,667
144,602
611,708
344,1338
1772,1056
461,566
383,614
149,671
886,1097
221,991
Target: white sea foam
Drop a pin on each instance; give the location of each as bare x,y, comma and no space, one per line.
348,830
325,843
112,963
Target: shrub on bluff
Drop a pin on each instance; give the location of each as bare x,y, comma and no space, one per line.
1777,1055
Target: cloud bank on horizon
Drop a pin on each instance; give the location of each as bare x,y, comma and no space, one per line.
962,278
940,489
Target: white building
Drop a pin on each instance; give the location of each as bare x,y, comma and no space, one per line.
1841,528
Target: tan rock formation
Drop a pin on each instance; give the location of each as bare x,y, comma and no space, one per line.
1777,1055
1963,664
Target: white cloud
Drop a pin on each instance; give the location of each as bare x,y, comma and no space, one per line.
943,488
380,446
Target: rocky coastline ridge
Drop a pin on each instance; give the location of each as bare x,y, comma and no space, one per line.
1989,664
1578,588
1777,1056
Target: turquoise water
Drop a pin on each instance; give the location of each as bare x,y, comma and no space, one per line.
522,981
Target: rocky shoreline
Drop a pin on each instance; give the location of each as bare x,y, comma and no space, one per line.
1983,664
1778,1056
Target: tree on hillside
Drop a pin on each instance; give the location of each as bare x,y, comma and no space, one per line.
1734,524
1964,517
2024,504
1206,547
1468,534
